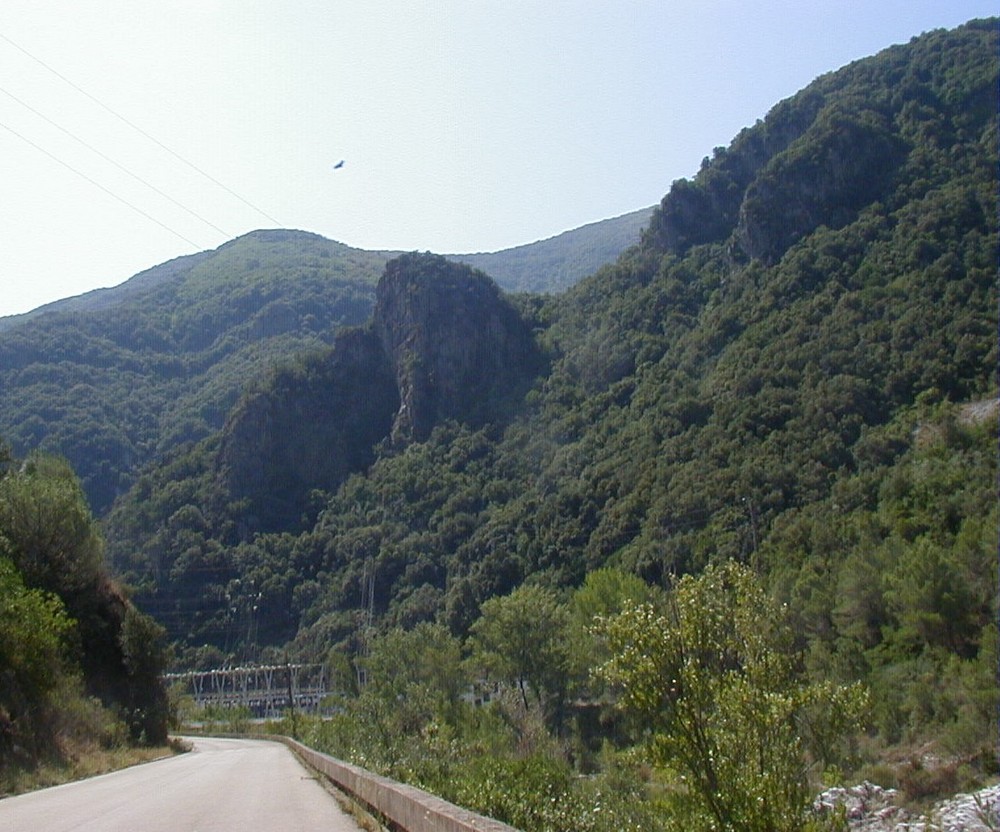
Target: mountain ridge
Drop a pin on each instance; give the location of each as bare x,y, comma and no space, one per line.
556,263
526,267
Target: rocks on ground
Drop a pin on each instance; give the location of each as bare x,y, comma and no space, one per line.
871,808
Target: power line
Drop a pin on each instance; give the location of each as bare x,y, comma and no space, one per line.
120,167
97,184
142,132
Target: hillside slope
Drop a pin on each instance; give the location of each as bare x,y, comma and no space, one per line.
734,387
79,665
111,385
555,264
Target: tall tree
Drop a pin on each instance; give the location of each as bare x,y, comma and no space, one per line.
52,540
521,638
33,629
45,517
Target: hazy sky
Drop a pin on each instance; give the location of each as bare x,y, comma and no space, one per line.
464,125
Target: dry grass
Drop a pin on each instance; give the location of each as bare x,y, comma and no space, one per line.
79,763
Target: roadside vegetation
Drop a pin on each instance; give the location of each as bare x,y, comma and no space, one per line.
79,762
723,700
80,690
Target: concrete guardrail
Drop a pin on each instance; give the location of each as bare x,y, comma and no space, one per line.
407,808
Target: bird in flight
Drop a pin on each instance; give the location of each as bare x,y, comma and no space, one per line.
339,165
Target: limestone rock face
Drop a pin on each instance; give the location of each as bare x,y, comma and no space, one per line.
707,208
817,159
459,349
443,344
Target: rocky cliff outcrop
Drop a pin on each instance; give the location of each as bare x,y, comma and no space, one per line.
459,349
841,164
806,165
443,344
706,209
839,146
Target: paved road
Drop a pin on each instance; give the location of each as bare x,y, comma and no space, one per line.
221,786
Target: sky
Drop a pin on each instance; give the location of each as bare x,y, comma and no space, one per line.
136,131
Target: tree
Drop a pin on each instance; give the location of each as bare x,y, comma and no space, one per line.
521,638
147,707
53,537
604,592
717,687
53,542
33,629
419,672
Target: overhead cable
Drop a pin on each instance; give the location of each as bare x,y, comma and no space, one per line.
120,167
142,132
97,184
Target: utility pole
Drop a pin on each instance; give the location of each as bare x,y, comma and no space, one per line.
291,697
754,531
367,615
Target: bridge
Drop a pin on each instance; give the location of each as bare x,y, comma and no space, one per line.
264,690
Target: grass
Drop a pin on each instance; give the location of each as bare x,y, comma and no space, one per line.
80,762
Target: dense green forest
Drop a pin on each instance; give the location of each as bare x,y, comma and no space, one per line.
765,434
695,396
112,387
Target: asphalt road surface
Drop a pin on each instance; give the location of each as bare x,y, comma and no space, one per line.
220,786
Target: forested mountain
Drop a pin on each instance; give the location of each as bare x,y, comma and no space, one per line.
731,373
112,385
549,265
114,378
794,370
